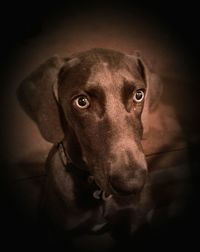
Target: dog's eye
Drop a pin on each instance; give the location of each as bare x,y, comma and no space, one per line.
82,102
138,96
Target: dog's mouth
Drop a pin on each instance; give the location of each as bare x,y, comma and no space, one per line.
101,193
98,191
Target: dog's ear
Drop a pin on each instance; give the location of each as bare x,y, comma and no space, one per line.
153,89
37,98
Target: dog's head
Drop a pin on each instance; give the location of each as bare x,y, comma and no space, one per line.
96,102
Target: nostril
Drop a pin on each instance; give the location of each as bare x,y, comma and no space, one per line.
127,184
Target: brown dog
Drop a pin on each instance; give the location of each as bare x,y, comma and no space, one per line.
94,107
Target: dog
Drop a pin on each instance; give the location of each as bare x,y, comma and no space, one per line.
94,108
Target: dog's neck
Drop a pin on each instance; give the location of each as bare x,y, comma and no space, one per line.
70,167
65,158
68,164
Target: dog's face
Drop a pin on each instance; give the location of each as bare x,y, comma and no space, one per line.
102,96
97,103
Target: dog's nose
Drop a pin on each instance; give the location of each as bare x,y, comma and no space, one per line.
125,184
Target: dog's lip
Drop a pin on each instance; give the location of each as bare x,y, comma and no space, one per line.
122,194
106,193
93,180
100,192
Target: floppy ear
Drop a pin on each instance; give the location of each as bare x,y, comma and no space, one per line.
37,98
153,90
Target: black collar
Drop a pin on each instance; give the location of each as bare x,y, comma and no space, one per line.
70,167
68,164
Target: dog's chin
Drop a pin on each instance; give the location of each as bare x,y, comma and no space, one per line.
124,197
106,190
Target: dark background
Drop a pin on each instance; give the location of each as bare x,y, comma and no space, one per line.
21,21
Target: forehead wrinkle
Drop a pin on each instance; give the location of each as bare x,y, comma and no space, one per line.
102,75
128,75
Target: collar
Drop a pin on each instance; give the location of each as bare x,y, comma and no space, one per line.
70,167
64,156
68,164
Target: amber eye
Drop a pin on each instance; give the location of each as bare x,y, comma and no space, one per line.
138,96
82,102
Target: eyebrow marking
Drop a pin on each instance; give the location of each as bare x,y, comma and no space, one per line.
100,75
128,89
73,62
95,91
128,86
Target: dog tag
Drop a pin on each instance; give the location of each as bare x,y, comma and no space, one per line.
98,227
106,197
97,194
